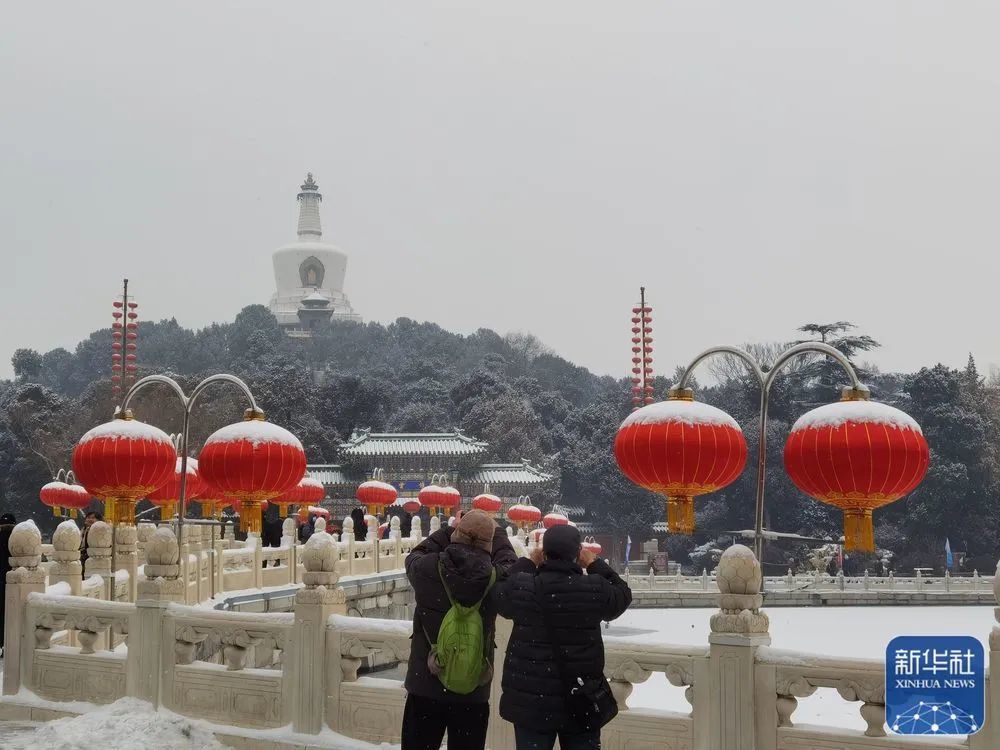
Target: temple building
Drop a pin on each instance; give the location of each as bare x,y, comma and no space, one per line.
309,273
410,460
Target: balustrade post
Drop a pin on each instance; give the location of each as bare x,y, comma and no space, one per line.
258,560
219,562
148,658
415,528
739,628
125,554
66,566
989,737
143,530
867,582
24,578
348,539
947,581
704,579
314,603
99,556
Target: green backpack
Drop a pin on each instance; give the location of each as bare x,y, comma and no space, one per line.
458,658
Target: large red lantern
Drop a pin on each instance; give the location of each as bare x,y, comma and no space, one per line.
167,495
592,545
58,495
431,497
856,455
411,505
681,449
487,503
252,461
375,495
305,493
524,514
122,461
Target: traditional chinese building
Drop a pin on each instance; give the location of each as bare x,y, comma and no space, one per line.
410,461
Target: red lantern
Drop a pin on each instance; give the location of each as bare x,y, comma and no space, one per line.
524,514
375,495
411,505
487,503
305,493
58,495
449,499
681,449
858,456
591,545
554,519
168,494
121,461
252,461
430,497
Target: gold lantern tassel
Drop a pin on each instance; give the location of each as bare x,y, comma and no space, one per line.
109,510
56,511
680,515
250,516
167,510
859,530
283,510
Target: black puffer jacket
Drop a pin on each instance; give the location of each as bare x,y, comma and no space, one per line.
467,570
533,693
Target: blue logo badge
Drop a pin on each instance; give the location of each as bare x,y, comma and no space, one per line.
935,685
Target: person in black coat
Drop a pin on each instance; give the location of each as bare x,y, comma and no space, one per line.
360,525
534,694
7,522
467,554
271,529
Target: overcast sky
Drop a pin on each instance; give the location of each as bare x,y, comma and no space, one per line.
514,165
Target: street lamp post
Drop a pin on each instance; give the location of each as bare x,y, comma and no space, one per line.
765,381
188,403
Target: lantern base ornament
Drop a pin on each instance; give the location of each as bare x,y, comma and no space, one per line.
680,515
859,530
123,511
250,516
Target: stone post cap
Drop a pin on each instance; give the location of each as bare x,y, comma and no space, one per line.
288,527
739,571
99,535
162,549
66,537
319,558
320,525
25,545
348,524
394,523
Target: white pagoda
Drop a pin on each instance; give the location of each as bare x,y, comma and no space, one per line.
308,272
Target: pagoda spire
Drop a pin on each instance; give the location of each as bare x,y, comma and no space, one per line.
309,200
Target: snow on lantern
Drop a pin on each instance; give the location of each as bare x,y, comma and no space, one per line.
856,455
487,503
554,519
411,505
167,495
305,493
430,497
121,461
375,495
252,461
524,513
680,448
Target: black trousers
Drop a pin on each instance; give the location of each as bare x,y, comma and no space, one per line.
528,739
425,721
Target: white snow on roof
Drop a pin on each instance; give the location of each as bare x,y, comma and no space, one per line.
256,432
858,412
688,412
131,429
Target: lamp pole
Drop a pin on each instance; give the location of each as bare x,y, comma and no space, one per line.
765,381
188,403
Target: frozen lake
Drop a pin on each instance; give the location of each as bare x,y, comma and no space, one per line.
860,632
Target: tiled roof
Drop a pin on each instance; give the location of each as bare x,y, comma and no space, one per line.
412,444
498,474
328,474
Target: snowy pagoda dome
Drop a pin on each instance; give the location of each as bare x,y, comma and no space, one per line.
309,268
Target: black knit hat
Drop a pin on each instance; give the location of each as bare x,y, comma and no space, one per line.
562,543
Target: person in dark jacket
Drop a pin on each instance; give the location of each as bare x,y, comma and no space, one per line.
360,525
534,695
7,522
468,554
88,520
271,529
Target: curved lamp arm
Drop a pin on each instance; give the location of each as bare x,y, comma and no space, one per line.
818,347
747,359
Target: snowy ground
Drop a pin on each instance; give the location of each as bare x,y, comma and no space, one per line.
861,632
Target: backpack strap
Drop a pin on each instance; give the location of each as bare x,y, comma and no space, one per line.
451,599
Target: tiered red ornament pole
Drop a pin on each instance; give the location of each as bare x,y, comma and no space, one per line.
642,352
124,335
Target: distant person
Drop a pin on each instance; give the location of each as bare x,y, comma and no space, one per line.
306,529
7,522
553,676
88,520
360,525
271,533
448,687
